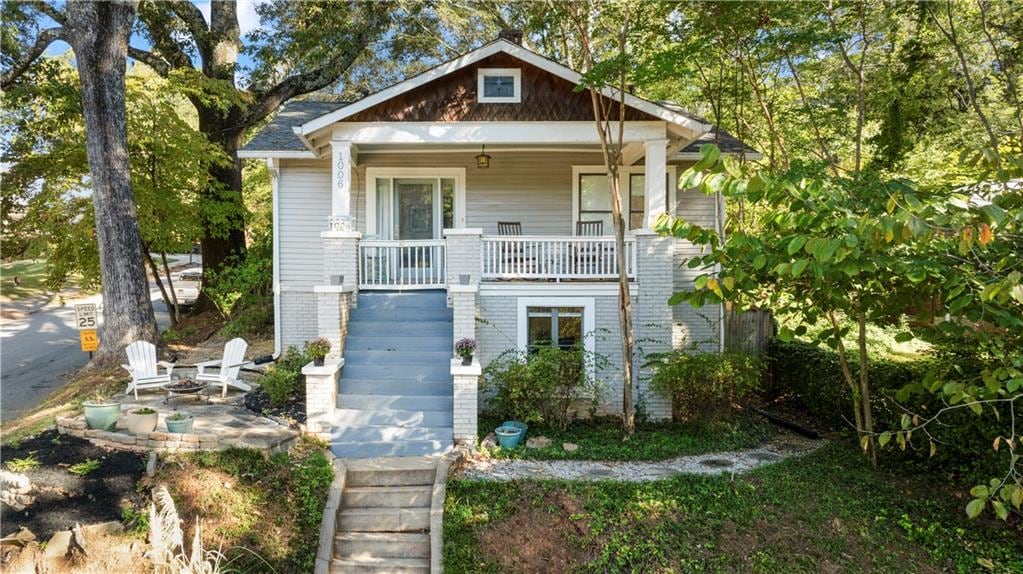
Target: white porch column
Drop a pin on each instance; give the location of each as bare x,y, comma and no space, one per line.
341,166
656,191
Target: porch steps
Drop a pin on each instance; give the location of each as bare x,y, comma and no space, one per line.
383,524
395,395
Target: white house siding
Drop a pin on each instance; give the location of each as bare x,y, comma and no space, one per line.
304,204
691,325
534,188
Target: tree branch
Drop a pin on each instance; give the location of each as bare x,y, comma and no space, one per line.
157,63
22,64
266,102
193,19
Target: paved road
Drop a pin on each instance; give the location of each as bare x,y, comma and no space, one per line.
37,351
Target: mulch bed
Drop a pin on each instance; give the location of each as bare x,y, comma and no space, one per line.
67,499
290,414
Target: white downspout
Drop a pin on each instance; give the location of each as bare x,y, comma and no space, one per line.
273,165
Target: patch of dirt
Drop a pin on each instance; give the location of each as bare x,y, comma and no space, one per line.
63,499
258,402
538,539
192,339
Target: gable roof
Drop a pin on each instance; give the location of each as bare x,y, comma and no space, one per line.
279,134
683,121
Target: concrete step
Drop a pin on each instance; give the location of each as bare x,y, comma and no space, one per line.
386,358
384,519
388,418
385,387
393,433
363,449
395,327
391,343
410,471
396,402
380,565
394,299
382,545
411,373
387,496
432,313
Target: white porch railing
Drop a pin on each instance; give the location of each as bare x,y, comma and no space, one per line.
552,257
417,264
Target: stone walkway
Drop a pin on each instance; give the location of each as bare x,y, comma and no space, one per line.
733,462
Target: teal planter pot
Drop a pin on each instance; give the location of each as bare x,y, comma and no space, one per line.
101,416
183,425
508,437
518,425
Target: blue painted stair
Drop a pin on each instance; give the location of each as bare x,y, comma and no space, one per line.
395,395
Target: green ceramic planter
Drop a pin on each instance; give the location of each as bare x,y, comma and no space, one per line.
102,416
180,426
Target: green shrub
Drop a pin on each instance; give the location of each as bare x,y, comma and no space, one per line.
544,386
243,292
282,381
704,385
810,378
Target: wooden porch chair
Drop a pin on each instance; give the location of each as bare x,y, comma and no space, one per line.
509,228
587,257
229,366
144,368
513,254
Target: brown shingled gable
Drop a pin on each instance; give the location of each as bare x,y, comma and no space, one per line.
452,98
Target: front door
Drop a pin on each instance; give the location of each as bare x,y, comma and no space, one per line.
415,213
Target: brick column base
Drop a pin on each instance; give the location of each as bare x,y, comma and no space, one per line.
321,396
466,404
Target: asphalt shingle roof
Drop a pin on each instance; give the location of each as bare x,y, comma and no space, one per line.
278,135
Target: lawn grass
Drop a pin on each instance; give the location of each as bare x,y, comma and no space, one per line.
602,439
825,512
31,274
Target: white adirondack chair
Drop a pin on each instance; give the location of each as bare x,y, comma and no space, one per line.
144,368
227,373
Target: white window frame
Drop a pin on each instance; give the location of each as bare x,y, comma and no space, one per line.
516,75
624,177
438,173
589,321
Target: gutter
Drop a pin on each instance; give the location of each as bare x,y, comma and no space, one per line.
275,175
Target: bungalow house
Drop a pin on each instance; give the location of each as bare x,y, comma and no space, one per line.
470,201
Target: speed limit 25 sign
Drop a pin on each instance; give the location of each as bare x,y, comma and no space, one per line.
85,316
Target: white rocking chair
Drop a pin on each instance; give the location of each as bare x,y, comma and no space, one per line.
143,366
227,374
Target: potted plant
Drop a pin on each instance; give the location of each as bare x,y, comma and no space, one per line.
143,420
179,423
318,350
465,348
508,437
101,412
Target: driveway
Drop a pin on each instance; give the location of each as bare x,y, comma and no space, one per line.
36,351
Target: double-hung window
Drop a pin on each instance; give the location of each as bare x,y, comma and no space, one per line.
594,197
560,327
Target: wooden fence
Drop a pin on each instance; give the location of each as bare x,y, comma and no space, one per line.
748,331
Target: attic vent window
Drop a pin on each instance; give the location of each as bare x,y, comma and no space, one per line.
499,85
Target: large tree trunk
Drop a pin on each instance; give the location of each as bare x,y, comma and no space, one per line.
98,33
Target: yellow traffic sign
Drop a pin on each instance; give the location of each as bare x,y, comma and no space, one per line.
89,339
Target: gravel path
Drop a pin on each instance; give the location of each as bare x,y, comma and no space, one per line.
732,462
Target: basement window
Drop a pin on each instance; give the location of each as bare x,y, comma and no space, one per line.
499,85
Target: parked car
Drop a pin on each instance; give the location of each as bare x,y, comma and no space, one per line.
187,283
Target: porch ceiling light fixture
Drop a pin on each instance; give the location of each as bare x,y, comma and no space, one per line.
483,160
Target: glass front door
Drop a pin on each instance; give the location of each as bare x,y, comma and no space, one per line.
415,212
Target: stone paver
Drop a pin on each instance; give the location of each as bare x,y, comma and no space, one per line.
732,462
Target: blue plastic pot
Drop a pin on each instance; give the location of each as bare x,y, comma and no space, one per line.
508,437
519,425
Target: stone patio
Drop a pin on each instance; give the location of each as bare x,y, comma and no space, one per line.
219,424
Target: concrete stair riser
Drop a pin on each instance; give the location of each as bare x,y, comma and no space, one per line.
385,358
409,343
385,434
384,519
423,372
380,300
387,496
382,545
396,402
397,417
409,475
389,448
383,566
396,327
383,387
410,314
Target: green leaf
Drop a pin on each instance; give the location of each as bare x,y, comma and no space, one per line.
1000,509
799,266
796,244
884,438
759,261
975,507
903,337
